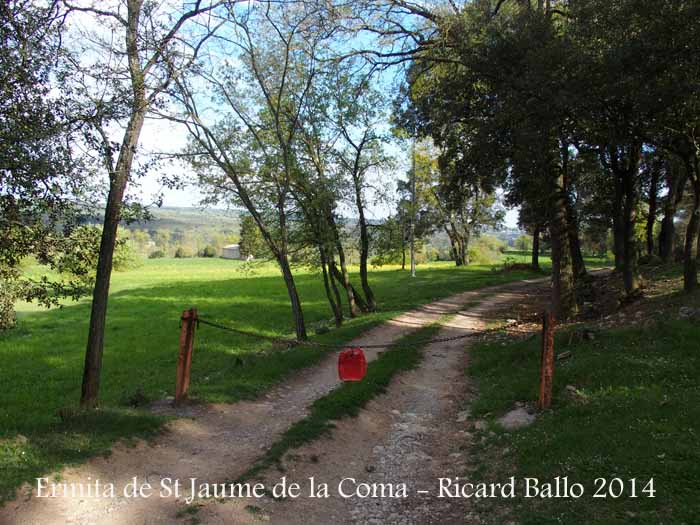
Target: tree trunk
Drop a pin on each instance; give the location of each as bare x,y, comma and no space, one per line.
299,326
335,305
618,225
690,255
675,181
563,290
98,313
536,249
579,265
690,261
335,273
577,262
364,247
651,218
465,249
630,273
349,289
451,232
403,252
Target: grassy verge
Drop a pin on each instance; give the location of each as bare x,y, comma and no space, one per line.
42,358
346,400
636,415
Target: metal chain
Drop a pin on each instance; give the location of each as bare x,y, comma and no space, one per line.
421,342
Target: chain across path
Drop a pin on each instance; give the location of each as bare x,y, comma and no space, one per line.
419,343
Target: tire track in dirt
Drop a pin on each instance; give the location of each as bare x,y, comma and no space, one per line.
214,443
412,435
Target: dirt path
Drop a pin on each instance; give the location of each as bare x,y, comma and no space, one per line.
216,443
410,435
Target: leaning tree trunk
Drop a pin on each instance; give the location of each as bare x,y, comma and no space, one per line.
338,276
334,302
364,248
98,313
454,244
297,313
651,218
536,249
563,286
349,289
455,252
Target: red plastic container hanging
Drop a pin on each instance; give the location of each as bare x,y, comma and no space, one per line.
352,365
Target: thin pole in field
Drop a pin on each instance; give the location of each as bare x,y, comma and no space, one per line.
413,209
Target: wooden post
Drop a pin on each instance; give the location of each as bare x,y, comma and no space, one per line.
184,360
547,364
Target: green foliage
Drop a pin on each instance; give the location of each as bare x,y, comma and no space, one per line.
39,179
389,242
251,240
182,253
523,243
8,296
158,254
208,251
71,262
80,252
486,249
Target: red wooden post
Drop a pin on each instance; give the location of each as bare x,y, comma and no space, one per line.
547,364
184,360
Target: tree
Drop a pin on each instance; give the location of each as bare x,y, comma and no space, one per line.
359,115
158,43
40,180
251,241
248,155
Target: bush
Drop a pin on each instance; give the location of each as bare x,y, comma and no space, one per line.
81,250
158,254
182,253
208,251
7,302
523,243
486,250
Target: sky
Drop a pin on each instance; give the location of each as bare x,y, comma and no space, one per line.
161,136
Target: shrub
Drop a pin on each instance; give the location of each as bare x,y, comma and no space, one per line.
158,254
81,250
486,249
208,251
7,310
182,253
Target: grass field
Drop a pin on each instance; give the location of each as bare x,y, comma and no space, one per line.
42,358
636,416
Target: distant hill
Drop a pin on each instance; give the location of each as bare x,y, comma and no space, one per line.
184,219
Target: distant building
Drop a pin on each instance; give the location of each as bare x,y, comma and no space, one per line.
231,251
